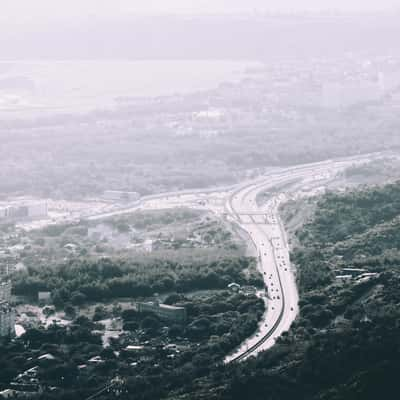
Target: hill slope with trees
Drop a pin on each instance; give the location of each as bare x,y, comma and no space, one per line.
346,342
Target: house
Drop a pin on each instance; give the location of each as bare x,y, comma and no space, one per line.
344,278
234,287
44,297
249,290
96,360
8,394
148,246
164,311
72,247
134,348
14,394
47,356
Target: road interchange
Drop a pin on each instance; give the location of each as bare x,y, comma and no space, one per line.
264,228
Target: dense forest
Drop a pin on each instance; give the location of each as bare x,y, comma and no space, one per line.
108,279
85,164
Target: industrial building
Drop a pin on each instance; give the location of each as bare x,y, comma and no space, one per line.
164,311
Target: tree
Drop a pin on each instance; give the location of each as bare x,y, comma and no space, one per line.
78,298
150,323
69,310
173,298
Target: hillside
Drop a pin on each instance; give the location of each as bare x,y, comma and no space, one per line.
345,344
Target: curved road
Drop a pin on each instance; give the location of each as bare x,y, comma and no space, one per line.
266,232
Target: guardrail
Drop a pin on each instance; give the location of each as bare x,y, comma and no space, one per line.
253,348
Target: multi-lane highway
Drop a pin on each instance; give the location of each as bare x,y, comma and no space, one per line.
264,229
263,225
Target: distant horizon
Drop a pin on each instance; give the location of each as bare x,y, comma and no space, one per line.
18,12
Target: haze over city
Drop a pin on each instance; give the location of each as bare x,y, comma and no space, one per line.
47,9
199,199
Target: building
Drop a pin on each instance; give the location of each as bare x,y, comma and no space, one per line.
148,245
5,291
7,320
366,277
164,311
27,385
24,210
44,297
352,271
37,209
6,268
344,278
16,212
7,313
234,287
8,394
249,290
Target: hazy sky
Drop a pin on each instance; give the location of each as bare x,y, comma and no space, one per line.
19,10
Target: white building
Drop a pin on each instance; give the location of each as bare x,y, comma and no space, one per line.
44,297
148,246
37,209
23,210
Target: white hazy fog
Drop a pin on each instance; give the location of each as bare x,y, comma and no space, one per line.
159,29
17,11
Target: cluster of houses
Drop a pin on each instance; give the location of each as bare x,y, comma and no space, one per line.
27,384
356,275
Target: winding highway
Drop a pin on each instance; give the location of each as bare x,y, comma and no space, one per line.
264,228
